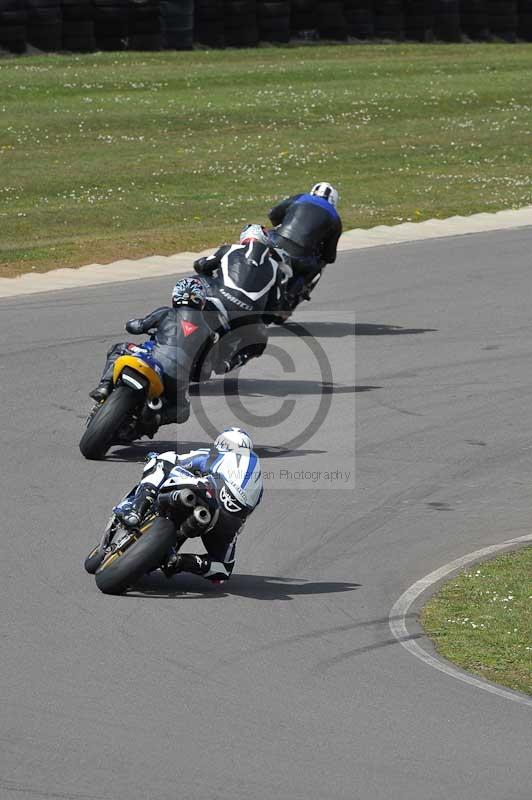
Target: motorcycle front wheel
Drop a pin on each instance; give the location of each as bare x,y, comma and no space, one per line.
93,560
107,421
121,570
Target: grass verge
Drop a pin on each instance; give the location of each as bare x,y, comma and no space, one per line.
482,620
114,155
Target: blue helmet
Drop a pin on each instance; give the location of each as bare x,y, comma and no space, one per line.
189,292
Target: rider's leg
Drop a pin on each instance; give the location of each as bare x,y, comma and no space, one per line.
176,406
217,564
102,391
131,510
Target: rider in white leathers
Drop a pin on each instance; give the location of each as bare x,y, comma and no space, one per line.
227,476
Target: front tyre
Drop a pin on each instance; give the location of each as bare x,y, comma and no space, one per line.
107,421
94,559
119,571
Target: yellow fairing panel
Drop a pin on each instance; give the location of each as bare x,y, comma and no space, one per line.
155,388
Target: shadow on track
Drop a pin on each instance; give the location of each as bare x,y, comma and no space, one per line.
257,587
257,387
339,329
139,451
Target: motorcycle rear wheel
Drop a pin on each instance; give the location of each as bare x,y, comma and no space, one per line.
119,571
107,421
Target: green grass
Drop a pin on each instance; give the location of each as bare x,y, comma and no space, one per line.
482,620
127,154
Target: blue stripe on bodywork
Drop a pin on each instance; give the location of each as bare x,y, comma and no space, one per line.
250,469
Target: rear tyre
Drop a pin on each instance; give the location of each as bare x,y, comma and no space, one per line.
119,572
107,421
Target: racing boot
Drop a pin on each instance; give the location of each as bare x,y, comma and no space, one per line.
101,392
186,562
131,511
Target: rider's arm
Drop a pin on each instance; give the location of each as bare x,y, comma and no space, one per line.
207,264
144,324
328,251
276,214
158,467
195,460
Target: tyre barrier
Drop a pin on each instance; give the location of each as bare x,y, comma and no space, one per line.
45,24
111,24
13,26
331,20
209,22
419,20
78,26
503,19
359,18
388,19
304,19
447,20
524,30
177,24
474,20
144,25
88,25
273,20
240,23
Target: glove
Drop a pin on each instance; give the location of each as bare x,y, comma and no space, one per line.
200,265
132,326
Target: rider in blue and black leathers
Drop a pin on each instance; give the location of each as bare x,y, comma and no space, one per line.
308,227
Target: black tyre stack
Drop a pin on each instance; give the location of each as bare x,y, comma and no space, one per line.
503,19
389,19
524,30
177,24
209,22
78,26
240,23
111,24
474,19
273,18
45,24
332,23
13,25
359,18
144,25
304,19
419,20
447,20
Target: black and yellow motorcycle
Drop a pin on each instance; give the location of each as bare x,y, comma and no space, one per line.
131,408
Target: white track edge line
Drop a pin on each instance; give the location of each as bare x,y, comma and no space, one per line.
398,627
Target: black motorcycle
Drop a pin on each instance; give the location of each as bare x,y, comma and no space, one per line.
125,554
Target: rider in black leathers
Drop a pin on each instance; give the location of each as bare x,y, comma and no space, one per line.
182,339
244,283
308,227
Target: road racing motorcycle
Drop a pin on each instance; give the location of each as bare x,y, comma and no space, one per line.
131,409
125,554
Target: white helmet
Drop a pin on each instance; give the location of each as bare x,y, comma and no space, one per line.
253,232
326,191
234,440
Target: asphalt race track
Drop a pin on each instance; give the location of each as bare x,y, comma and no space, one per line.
286,682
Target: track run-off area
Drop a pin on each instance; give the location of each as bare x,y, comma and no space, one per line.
287,681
